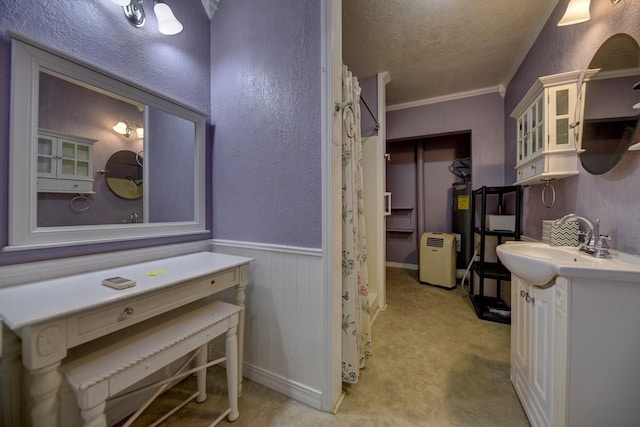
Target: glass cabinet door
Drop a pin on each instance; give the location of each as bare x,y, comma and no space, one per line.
537,125
46,156
560,109
75,160
521,137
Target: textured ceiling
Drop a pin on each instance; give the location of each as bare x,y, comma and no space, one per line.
434,48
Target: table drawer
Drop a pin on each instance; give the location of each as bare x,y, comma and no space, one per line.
96,323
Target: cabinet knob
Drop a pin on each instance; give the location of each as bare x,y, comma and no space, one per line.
129,311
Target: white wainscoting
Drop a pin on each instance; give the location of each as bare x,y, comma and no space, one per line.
284,318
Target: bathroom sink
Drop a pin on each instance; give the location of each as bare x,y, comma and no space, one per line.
538,263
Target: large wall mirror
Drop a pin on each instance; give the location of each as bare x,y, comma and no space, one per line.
78,137
610,121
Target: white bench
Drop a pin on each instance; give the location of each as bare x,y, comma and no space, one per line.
100,369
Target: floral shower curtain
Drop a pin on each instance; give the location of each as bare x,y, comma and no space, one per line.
356,323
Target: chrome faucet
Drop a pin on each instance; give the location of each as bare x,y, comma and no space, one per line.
594,243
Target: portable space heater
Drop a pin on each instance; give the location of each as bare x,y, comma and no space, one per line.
438,259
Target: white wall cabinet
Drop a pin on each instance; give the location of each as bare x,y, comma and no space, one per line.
65,163
574,352
546,136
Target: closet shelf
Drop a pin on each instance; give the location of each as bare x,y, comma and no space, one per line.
488,232
399,230
402,208
492,270
490,308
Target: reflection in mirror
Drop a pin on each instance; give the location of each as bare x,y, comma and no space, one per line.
72,108
610,120
124,174
64,146
171,156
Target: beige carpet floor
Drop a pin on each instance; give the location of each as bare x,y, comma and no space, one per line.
435,364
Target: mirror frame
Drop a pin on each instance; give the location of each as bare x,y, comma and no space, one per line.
27,58
595,74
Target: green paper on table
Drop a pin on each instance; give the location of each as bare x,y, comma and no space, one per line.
155,273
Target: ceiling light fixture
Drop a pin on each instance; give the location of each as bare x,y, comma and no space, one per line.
168,24
125,128
578,11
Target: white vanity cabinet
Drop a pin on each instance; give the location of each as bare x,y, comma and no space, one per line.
533,349
546,138
575,347
65,163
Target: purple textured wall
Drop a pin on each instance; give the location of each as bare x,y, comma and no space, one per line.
612,197
265,104
97,32
482,115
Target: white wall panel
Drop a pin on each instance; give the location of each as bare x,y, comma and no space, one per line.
284,318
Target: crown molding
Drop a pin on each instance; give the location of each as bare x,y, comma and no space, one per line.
451,97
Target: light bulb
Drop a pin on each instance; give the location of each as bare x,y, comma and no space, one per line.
167,22
577,11
140,131
123,129
121,2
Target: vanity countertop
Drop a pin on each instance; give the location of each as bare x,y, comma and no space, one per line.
32,303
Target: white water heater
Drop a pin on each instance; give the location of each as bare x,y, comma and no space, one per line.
438,259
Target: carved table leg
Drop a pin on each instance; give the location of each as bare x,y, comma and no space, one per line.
94,417
43,348
44,391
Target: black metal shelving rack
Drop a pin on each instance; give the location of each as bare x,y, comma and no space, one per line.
489,307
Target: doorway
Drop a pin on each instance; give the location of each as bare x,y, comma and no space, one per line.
420,181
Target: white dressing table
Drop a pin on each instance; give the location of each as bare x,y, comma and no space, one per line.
55,315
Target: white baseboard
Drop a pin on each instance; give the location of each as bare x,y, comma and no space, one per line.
289,388
402,265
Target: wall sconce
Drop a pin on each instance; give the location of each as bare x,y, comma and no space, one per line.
168,24
577,12
125,128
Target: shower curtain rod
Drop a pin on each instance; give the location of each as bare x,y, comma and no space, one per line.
370,113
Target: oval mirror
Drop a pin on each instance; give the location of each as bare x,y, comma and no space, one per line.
123,173
610,119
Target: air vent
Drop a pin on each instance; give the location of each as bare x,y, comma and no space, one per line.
435,242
